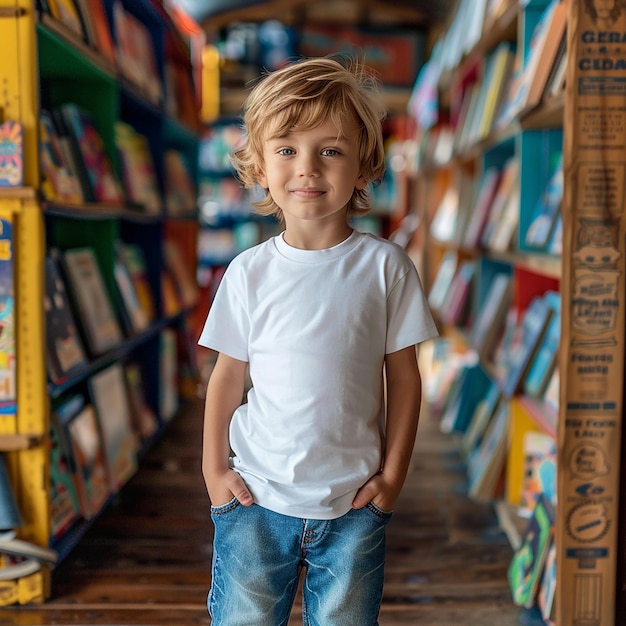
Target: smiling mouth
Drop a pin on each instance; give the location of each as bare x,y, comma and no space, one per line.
307,193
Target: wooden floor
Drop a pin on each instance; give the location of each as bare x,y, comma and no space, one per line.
147,559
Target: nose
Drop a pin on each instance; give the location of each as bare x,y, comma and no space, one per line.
308,166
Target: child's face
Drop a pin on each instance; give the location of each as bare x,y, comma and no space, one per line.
312,174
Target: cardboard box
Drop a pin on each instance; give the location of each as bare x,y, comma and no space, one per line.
592,340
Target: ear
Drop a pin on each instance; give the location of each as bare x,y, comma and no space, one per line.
261,178
361,183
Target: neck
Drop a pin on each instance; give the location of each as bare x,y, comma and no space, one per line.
315,238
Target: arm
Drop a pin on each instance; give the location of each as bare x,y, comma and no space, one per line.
224,394
404,397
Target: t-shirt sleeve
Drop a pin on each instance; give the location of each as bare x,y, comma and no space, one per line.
409,318
226,328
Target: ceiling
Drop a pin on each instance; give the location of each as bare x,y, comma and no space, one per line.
428,14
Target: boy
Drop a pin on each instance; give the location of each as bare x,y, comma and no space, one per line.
305,474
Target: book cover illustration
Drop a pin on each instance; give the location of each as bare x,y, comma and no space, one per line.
547,589
65,352
11,154
58,181
96,172
137,169
132,256
135,317
99,324
526,568
89,465
8,365
64,503
539,474
66,12
109,396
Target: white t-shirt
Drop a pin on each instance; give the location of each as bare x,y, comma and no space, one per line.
315,326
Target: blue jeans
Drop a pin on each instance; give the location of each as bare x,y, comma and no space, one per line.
258,556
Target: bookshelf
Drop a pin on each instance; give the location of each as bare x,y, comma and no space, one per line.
149,88
540,139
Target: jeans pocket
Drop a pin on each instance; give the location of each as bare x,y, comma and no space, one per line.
222,509
378,512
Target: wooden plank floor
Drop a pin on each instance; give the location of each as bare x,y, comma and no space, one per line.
147,559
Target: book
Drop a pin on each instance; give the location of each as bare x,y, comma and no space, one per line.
100,327
486,463
66,12
94,169
131,255
168,374
539,470
443,280
491,316
103,40
8,357
455,308
138,173
504,232
144,418
543,55
533,324
11,154
544,361
443,225
526,568
481,416
58,181
88,461
64,504
547,208
478,216
508,184
183,276
547,588
8,392
65,352
180,191
135,317
531,60
109,396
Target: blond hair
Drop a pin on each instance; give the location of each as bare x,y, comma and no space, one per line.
301,96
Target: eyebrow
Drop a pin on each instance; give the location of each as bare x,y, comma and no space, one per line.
329,139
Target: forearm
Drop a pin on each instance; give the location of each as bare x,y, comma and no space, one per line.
404,396
224,394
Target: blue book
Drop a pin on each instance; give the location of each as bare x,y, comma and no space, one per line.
544,360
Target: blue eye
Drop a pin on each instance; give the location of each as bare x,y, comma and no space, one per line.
286,152
330,152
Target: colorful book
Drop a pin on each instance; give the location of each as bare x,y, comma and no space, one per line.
443,280
526,568
64,504
456,304
544,360
66,12
137,167
533,324
183,275
133,258
89,467
487,328
8,364
507,186
135,318
547,588
481,416
96,176
100,327
480,211
65,352
539,470
109,396
486,463
58,181
11,154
